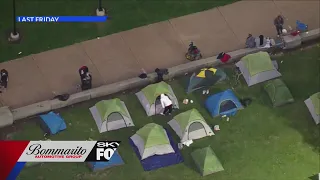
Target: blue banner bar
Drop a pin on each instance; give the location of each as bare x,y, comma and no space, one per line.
45,19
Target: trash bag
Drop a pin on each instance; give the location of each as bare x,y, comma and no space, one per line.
62,97
246,102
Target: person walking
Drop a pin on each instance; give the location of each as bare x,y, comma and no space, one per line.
166,103
278,23
4,78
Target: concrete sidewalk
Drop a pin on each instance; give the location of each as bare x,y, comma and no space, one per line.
121,56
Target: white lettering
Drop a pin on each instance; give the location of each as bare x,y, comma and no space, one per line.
23,19
56,19
100,152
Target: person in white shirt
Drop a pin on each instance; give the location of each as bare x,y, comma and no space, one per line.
166,103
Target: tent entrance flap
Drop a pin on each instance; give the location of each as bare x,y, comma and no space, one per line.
196,131
115,119
227,105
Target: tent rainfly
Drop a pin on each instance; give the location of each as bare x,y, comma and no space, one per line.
278,92
52,123
111,115
152,140
223,103
115,160
206,77
206,161
190,125
257,68
313,104
149,97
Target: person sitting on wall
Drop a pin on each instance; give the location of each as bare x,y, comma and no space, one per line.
160,74
250,42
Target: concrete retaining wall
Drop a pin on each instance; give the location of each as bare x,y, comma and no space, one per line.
7,117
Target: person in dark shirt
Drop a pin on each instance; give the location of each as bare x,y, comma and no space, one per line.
86,81
278,23
4,78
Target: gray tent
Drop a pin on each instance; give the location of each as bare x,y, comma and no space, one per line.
148,97
111,115
313,105
257,68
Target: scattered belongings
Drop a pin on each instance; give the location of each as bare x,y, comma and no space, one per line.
216,128
205,91
62,97
246,102
111,115
187,143
223,57
190,125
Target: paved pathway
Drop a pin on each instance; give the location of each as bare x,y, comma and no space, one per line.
121,56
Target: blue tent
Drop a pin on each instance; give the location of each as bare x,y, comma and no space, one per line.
115,160
52,123
223,103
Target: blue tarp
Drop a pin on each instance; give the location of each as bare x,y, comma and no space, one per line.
159,161
53,122
223,103
115,160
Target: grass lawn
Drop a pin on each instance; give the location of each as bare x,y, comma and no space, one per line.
259,143
124,14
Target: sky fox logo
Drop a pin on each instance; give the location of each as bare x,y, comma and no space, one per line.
103,150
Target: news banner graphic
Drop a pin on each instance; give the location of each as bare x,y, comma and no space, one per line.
48,19
15,154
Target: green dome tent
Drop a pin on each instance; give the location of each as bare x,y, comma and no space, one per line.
206,161
111,115
148,97
190,125
313,104
278,92
257,68
151,140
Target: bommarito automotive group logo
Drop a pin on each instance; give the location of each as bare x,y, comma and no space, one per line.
69,151
39,152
